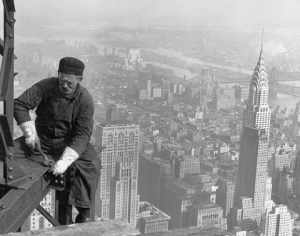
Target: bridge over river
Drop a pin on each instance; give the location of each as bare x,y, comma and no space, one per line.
281,87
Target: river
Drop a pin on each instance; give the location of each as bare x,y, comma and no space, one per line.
283,100
294,83
181,56
180,72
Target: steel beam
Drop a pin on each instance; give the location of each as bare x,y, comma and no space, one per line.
49,217
7,66
16,204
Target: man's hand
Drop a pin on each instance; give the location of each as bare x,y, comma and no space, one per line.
59,168
66,159
32,142
31,137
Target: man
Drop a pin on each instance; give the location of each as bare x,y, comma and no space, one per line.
62,128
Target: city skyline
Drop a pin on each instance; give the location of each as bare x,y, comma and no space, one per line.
195,133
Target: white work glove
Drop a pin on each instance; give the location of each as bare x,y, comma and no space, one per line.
67,158
29,131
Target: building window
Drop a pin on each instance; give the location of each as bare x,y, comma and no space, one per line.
121,139
131,139
41,222
110,139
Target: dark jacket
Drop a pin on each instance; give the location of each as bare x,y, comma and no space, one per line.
62,120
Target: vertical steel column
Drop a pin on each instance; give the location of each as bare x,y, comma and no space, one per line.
12,172
7,67
63,211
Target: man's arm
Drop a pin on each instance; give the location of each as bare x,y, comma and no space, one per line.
83,125
25,102
28,101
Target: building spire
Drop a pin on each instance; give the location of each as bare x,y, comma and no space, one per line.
260,59
262,40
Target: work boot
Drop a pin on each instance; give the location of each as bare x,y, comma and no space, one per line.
80,218
83,215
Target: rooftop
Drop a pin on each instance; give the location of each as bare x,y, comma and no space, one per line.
117,122
206,205
117,228
225,180
156,216
182,184
184,197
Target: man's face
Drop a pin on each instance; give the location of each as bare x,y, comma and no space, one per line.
68,83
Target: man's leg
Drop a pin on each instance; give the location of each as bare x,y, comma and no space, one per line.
85,182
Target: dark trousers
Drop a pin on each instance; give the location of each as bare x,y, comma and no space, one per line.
87,173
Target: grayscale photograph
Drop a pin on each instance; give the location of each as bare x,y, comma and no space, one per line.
150,117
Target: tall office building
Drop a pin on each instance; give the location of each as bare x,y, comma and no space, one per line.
278,222
123,191
225,194
149,90
252,173
269,203
254,148
151,181
112,113
285,185
117,195
180,212
174,190
280,159
297,175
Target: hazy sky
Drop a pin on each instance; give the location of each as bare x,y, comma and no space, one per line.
241,13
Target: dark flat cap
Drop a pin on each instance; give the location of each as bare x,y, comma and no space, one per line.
71,65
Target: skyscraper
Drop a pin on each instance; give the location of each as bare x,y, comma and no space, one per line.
253,159
297,175
149,90
225,194
252,173
116,196
123,191
151,181
280,159
278,222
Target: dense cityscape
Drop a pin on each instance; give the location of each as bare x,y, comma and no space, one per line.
200,128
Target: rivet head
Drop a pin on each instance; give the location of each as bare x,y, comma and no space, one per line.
10,169
61,182
61,176
10,36
56,181
10,177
